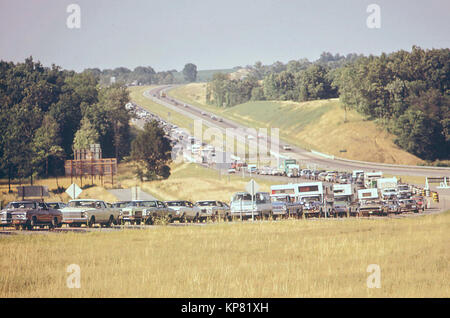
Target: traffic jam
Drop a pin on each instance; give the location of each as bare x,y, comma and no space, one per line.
315,194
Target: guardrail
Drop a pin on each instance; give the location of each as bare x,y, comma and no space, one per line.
322,154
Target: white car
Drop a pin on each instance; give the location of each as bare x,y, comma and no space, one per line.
213,209
231,170
185,211
389,193
287,147
89,212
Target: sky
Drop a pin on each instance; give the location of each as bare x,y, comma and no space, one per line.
167,34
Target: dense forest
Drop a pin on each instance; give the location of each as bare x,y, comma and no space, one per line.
407,92
48,112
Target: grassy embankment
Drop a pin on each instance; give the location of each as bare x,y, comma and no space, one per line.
187,181
303,258
317,125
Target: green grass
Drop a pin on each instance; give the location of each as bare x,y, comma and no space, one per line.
317,125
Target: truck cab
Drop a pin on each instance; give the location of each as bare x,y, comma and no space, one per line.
244,206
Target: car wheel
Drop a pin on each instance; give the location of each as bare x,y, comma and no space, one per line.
91,222
54,223
149,221
138,222
32,223
110,221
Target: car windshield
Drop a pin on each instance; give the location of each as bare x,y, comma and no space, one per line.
53,205
122,204
147,204
82,204
310,199
21,205
242,197
206,203
279,199
176,203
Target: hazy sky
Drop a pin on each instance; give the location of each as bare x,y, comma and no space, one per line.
166,34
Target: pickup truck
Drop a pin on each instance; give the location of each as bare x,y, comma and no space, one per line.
342,208
28,214
213,209
409,205
392,206
185,211
243,207
283,206
89,212
368,208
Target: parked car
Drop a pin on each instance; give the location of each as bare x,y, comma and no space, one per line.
389,193
184,211
56,205
244,207
154,210
213,209
134,211
393,206
284,206
231,170
89,212
341,208
368,208
28,214
287,148
420,202
409,205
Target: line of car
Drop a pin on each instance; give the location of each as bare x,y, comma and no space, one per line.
90,212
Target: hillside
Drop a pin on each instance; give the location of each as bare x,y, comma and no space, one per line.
315,125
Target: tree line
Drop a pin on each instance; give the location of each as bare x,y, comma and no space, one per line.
298,80
144,75
407,92
47,113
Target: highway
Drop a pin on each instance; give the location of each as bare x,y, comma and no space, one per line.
302,155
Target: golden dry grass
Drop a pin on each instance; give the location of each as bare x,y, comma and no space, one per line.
96,191
193,182
302,258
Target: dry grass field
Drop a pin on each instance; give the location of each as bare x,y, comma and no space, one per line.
292,258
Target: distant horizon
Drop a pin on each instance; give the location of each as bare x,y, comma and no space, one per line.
217,68
212,34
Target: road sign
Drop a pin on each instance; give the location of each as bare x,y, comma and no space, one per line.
74,191
252,187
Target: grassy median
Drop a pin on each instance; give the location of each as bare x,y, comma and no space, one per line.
298,258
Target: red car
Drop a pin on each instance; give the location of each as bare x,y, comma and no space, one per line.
28,214
420,202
